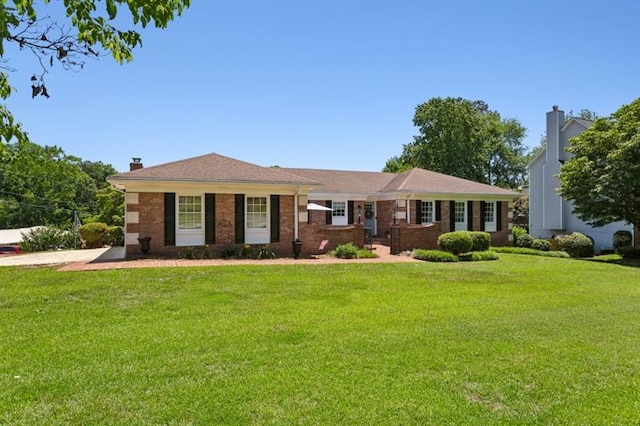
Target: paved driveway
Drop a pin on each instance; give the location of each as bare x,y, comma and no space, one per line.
63,256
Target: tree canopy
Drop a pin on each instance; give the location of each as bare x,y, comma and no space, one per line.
466,139
44,186
603,176
86,32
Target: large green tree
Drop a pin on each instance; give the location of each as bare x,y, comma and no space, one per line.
603,176
466,139
87,30
44,186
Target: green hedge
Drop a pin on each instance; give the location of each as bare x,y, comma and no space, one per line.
523,250
576,244
434,255
484,255
542,245
629,252
481,241
456,242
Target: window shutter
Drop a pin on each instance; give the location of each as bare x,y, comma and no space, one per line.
275,219
418,212
169,219
470,215
239,216
452,215
350,214
483,208
209,218
329,216
438,210
498,213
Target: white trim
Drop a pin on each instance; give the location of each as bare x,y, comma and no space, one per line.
131,238
133,217
257,235
460,226
131,198
189,237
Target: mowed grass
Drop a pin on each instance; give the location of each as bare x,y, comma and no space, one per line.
522,340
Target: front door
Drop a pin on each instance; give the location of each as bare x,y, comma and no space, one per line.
370,217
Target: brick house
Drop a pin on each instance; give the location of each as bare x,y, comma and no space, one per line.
222,202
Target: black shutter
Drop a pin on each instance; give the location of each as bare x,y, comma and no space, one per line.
418,212
470,215
438,210
483,208
169,219
209,218
498,213
239,216
452,215
350,213
275,219
329,216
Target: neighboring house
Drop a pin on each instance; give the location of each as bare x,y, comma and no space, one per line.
221,202
549,213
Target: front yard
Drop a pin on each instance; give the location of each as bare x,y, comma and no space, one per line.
526,340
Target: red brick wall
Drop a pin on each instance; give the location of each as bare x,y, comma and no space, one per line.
408,237
313,235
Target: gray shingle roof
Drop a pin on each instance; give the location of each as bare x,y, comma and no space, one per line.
344,181
215,168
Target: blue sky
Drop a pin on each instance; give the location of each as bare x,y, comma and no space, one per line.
331,84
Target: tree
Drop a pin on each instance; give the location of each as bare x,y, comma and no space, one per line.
466,139
87,32
602,178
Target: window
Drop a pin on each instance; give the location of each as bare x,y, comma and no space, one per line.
339,208
426,212
460,215
189,212
257,212
490,216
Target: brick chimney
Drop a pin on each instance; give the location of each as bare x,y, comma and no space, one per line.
135,164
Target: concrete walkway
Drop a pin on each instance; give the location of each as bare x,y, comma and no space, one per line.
106,254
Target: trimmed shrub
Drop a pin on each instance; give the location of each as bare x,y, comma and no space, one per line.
481,241
622,238
524,240
576,244
516,232
542,245
484,255
115,236
200,252
629,252
434,255
522,250
95,234
456,242
48,238
346,251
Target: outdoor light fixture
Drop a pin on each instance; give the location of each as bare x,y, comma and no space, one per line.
359,213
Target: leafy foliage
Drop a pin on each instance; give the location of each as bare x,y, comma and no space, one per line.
47,238
622,238
576,244
478,256
629,252
346,251
200,252
434,255
516,232
481,241
602,178
94,233
540,244
524,240
42,185
456,242
466,139
522,250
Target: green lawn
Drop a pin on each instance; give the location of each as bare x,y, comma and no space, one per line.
522,340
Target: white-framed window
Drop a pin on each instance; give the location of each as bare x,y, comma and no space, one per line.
426,212
460,215
256,212
490,216
256,219
189,212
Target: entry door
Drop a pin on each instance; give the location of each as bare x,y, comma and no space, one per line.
370,217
